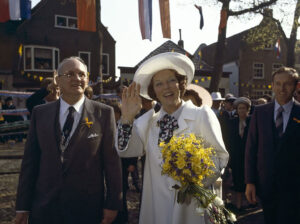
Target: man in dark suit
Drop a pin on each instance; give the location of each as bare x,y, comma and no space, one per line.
272,166
69,155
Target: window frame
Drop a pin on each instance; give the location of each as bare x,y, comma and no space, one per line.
107,55
67,22
32,47
274,69
263,70
89,58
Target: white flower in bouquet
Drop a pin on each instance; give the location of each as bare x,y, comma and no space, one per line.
232,217
200,211
218,201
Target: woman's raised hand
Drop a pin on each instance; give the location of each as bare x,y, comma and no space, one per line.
131,102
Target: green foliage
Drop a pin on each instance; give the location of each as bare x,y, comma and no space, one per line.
262,36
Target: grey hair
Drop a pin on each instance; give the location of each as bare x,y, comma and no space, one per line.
60,66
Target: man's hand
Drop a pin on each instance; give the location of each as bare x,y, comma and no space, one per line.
109,216
251,193
22,217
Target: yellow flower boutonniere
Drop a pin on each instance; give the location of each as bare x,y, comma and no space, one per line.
88,123
297,120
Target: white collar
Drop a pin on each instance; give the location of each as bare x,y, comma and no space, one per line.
175,114
287,107
78,106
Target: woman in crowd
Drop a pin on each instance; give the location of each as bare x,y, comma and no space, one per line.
237,142
164,78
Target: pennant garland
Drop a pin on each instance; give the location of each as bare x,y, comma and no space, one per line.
20,51
15,93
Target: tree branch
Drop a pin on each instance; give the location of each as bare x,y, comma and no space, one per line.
252,9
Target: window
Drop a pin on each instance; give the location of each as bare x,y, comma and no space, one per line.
269,47
275,67
105,64
256,94
86,57
39,58
67,22
258,70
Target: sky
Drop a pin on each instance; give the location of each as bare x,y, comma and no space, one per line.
121,19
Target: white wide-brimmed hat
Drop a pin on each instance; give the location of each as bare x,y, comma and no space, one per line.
216,96
169,60
203,94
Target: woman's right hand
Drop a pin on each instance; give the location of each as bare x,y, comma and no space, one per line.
131,102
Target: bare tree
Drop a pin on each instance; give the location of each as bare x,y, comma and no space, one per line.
240,7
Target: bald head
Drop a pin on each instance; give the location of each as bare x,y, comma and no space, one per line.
60,69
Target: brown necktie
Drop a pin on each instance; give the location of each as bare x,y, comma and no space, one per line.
279,121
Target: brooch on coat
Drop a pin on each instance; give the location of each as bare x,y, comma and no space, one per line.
88,123
297,120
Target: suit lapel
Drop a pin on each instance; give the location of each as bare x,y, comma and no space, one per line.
267,121
57,129
292,122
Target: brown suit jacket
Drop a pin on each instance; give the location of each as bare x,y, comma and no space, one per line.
73,191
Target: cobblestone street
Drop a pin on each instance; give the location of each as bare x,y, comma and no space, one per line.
10,161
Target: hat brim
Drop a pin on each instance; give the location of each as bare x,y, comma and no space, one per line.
203,93
170,60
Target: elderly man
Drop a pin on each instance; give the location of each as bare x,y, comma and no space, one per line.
272,165
70,149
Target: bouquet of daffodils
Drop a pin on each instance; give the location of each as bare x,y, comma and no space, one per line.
188,161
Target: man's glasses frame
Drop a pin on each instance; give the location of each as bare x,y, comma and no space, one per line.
71,74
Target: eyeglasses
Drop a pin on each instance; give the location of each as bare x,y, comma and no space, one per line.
71,74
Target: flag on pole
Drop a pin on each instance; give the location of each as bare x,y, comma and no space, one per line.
14,10
278,49
201,16
223,20
145,18
86,15
165,18
20,51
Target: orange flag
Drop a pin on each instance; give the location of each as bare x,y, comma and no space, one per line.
165,18
86,15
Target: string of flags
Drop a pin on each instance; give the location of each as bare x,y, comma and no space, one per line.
18,94
259,86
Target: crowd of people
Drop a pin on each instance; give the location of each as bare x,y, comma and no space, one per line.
80,152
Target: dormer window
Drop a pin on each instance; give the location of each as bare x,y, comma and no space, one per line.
67,22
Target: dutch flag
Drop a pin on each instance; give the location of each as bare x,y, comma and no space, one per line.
145,18
278,49
14,10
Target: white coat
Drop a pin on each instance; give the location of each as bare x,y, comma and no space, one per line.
159,204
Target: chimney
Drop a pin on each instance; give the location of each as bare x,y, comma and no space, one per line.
180,42
268,12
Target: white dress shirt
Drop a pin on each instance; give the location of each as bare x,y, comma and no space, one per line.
285,114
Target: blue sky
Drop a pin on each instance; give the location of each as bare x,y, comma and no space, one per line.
121,18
